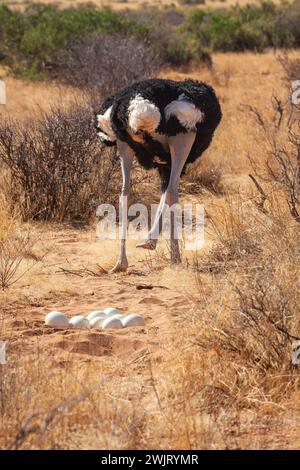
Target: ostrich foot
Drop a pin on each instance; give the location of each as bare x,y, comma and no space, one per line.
147,244
120,267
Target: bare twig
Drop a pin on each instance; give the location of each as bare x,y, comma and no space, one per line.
263,198
149,286
84,271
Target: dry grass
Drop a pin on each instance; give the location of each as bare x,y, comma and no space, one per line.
212,369
17,249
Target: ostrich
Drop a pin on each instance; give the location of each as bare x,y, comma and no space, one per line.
165,124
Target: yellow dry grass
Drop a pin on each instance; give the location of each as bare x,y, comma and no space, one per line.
197,376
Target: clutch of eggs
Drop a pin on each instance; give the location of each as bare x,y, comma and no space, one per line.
108,319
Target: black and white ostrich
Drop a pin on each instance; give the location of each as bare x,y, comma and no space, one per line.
165,124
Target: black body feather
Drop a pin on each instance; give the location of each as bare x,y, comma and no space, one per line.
161,92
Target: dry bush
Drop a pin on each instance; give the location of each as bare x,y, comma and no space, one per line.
15,249
4,217
232,226
261,322
99,407
266,316
256,335
54,401
96,406
247,310
59,170
203,177
17,245
291,68
106,63
282,167
248,278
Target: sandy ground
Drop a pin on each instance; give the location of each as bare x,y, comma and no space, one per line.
152,295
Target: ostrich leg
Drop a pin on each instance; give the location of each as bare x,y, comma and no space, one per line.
151,240
126,156
180,147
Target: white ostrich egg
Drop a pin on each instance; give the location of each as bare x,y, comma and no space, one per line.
97,322
133,320
111,312
96,314
57,320
79,322
119,315
112,324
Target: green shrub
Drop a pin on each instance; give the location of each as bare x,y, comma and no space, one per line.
253,27
34,36
168,36
12,26
170,48
31,41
